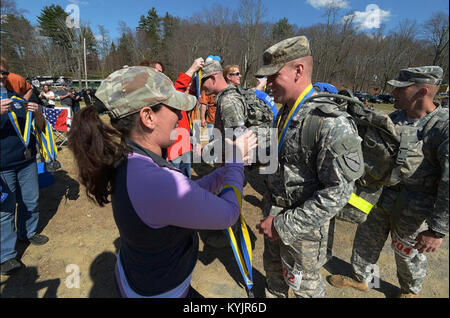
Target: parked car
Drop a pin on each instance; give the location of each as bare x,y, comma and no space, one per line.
363,97
375,99
386,98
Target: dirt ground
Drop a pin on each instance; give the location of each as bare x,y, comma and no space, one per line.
84,237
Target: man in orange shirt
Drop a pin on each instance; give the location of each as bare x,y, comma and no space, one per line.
208,112
15,82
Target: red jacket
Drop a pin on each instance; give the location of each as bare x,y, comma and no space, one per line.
181,84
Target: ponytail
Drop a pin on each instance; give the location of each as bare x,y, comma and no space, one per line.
97,147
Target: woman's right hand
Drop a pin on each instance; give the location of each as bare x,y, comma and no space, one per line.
5,106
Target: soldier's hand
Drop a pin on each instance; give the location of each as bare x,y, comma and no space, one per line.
426,242
267,228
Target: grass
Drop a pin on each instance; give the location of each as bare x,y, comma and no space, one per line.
387,108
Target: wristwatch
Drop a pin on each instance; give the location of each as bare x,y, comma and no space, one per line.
437,234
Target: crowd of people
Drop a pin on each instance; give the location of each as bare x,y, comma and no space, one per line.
67,96
145,173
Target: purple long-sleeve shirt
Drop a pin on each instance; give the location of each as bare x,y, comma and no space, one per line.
157,210
161,196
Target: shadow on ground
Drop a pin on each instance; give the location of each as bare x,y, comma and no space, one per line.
23,284
65,188
226,257
336,266
101,272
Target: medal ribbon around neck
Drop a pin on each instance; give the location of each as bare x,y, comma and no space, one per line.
25,137
307,92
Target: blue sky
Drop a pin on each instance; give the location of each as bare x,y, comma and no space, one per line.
368,13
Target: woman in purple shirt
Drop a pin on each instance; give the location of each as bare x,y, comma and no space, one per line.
156,208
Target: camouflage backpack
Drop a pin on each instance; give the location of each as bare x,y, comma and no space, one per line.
256,111
390,153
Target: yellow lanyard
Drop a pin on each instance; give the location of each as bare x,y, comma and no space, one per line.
308,91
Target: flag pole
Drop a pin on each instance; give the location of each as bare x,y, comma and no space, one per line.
85,67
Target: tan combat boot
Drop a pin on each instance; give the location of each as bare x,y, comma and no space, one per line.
341,281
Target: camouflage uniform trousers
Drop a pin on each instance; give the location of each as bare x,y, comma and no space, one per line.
403,216
303,255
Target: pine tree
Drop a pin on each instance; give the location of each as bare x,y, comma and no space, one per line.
52,23
282,30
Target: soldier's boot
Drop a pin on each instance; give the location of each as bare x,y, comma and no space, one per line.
274,294
341,281
407,295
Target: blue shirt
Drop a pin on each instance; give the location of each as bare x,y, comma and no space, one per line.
326,87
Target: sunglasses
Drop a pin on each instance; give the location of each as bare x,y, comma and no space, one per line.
5,73
204,79
235,74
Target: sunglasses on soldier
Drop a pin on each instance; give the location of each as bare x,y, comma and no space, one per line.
204,79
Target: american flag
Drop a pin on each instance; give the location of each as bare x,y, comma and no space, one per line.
59,117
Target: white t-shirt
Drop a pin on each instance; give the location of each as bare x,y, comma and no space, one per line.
50,94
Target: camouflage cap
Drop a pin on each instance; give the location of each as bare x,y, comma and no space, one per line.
129,89
276,56
418,75
211,67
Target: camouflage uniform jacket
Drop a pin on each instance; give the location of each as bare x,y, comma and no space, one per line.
309,189
230,108
427,189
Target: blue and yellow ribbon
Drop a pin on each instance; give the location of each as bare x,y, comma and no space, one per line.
199,83
294,110
46,142
198,86
25,137
243,259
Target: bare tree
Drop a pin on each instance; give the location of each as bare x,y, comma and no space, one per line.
436,32
251,13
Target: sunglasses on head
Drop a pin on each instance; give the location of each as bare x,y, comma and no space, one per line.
235,74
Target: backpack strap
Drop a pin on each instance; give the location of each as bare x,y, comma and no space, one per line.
312,125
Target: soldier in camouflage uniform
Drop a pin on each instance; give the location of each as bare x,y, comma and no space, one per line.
230,104
232,110
415,212
308,189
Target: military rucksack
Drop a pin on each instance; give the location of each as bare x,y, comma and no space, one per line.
257,111
390,152
258,115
